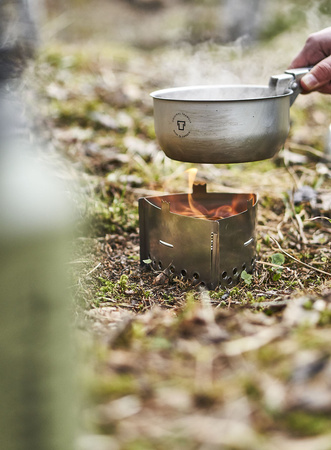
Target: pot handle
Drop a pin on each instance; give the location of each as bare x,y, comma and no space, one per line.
290,79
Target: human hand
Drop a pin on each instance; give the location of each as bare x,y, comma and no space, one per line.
316,52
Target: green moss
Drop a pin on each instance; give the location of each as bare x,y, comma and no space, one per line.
234,291
269,356
252,389
310,338
112,214
163,443
115,291
304,424
217,294
159,343
140,444
325,318
111,387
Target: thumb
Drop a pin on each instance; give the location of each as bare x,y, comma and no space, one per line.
318,76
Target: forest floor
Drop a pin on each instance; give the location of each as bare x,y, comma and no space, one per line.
167,364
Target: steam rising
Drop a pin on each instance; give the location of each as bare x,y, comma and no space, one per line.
235,62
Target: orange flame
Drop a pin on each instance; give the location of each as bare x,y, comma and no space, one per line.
202,208
198,210
192,173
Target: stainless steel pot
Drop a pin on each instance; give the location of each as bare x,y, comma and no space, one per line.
226,124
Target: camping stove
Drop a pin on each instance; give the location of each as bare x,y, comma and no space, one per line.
207,238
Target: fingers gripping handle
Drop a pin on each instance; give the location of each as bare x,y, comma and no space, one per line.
290,79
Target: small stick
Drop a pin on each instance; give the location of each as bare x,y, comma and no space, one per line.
300,224
298,261
95,268
318,217
264,263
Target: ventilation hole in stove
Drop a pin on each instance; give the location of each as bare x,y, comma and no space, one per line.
229,281
154,263
202,283
196,276
224,275
172,269
160,265
244,266
235,271
211,241
183,273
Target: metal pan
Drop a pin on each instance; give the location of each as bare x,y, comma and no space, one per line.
226,124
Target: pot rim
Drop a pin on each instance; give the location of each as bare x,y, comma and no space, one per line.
163,94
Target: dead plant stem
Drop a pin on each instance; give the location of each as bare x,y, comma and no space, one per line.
298,261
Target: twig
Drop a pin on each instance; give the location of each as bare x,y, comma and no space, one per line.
264,263
298,261
300,224
279,231
249,343
318,217
95,268
292,174
272,305
297,222
79,261
308,150
298,280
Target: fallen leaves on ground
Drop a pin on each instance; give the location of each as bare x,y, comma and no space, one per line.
169,365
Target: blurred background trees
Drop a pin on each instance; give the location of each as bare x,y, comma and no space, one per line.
150,23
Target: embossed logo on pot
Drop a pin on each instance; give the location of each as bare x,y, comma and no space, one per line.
181,125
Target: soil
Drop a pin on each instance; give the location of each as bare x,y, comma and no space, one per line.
165,362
